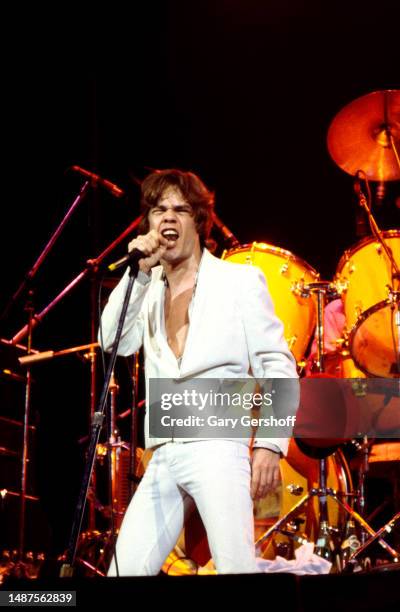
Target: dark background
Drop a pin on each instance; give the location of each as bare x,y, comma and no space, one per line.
240,92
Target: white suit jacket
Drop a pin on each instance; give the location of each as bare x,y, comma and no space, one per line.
233,331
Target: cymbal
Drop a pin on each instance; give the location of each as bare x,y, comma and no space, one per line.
359,136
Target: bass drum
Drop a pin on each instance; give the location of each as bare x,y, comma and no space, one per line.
285,274
299,474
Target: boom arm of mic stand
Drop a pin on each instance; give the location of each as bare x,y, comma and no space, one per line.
91,265
67,567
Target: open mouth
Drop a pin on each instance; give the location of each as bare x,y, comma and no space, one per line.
170,234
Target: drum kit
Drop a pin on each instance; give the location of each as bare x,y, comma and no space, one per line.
363,140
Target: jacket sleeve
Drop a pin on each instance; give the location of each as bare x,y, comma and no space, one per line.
132,333
269,354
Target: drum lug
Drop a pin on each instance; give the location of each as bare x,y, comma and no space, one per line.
358,310
298,289
341,284
393,296
295,489
291,341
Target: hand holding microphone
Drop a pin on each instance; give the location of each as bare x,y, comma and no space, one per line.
146,249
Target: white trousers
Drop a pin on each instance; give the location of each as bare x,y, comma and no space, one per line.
213,474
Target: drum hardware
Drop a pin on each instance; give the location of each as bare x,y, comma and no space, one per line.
305,290
21,565
388,527
293,536
9,564
363,202
286,549
322,290
44,355
94,552
22,347
376,536
295,489
112,449
325,545
90,356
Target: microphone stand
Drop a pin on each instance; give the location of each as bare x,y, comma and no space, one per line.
67,568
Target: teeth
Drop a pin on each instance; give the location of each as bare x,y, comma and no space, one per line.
170,234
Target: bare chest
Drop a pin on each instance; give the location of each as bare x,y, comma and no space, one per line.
176,314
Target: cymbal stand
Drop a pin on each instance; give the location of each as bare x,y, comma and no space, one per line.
362,473
20,568
324,545
115,446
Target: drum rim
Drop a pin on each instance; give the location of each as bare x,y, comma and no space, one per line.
349,253
353,331
276,250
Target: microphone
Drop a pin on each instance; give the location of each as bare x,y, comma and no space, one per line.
97,180
226,232
131,258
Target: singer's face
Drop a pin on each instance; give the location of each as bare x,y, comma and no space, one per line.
173,218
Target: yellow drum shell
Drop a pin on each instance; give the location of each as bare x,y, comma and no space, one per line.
285,274
365,273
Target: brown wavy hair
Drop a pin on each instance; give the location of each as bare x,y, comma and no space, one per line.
192,189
